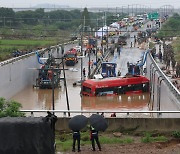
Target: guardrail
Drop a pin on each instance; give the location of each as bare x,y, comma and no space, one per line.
174,90
64,112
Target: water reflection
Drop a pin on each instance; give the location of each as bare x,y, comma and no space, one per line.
121,102
45,98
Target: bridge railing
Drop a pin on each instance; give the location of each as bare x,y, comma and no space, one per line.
64,113
173,89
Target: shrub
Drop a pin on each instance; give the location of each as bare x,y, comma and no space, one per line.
176,134
10,108
148,138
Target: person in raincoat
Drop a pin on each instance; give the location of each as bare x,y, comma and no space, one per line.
94,137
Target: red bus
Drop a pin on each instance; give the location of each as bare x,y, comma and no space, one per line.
115,86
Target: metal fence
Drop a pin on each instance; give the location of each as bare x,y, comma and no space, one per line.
64,113
163,94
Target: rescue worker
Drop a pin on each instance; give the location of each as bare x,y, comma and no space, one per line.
84,72
131,44
119,73
113,114
76,136
94,137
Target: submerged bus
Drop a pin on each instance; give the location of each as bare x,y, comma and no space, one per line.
115,86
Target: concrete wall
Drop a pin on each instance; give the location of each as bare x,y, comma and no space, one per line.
134,124
16,75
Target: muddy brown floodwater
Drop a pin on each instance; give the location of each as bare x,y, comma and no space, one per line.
38,99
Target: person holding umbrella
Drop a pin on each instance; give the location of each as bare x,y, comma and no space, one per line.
97,123
77,123
76,136
94,137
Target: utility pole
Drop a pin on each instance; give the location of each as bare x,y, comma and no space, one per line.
128,10
132,10
122,10
96,40
53,106
66,87
81,55
89,67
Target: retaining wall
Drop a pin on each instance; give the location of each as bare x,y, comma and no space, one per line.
134,124
17,73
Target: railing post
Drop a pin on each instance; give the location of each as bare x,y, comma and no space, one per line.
159,101
158,91
151,85
32,115
154,84
64,114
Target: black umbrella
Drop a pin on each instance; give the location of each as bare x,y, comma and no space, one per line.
98,122
78,122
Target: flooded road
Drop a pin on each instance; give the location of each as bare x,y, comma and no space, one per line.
35,98
38,99
121,102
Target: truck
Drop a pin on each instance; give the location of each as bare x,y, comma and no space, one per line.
71,57
122,39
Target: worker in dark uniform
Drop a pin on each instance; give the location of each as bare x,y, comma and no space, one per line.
76,136
84,72
94,136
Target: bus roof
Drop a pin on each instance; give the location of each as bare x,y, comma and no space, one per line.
115,82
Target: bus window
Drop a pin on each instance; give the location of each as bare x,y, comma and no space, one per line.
130,88
120,90
104,91
138,87
145,87
86,89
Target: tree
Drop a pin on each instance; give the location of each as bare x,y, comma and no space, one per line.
176,48
6,16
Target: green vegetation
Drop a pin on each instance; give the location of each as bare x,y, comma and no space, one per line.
10,108
64,141
151,45
148,138
8,46
41,29
176,48
171,28
176,134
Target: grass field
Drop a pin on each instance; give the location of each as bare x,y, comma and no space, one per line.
17,43
8,46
